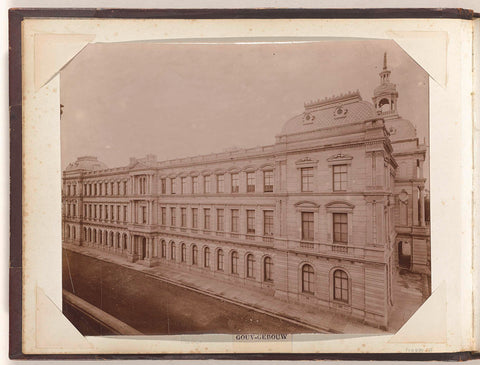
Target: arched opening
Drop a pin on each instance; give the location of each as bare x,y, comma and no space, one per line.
194,255
206,257
307,279
250,266
384,105
220,260
234,263
267,269
340,286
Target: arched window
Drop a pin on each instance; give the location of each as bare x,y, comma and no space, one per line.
234,262
307,279
184,252
74,231
206,257
267,269
172,251
340,286
124,241
250,263
194,255
220,260
68,231
100,237
164,249
95,236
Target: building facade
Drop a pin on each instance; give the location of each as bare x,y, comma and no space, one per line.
324,217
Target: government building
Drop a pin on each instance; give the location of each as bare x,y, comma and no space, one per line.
327,216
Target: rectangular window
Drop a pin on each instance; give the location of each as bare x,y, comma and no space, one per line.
144,215
268,222
111,189
124,188
250,182
307,226
164,216
124,213
173,217
235,183
106,211
195,185
184,217
235,217
250,222
339,177
74,190
206,184
340,228
118,187
220,185
194,218
172,185
307,179
220,220
206,218
184,185
118,212
163,184
268,181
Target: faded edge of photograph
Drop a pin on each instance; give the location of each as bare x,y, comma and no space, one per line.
264,188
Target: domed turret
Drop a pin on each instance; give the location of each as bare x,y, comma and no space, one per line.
88,163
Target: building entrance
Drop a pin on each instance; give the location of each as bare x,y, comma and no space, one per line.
404,254
144,248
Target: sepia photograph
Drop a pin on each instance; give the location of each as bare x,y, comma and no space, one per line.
266,188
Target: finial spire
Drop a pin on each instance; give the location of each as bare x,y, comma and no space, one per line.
385,61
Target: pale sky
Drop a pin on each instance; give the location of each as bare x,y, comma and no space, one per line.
177,100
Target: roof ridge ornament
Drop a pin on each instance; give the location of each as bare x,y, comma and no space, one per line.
333,98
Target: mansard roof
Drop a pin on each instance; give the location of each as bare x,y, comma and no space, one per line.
330,112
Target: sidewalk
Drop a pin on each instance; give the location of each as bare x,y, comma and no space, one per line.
317,319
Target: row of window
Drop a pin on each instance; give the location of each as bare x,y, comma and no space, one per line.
118,240
105,238
267,261
220,219
340,283
103,189
120,187
340,222
220,184
110,212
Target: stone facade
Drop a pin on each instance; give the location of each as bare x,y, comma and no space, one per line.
324,217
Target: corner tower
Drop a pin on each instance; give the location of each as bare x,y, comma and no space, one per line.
385,95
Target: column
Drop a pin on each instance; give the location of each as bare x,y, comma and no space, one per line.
422,206
415,206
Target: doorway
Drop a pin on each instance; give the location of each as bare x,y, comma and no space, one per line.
404,254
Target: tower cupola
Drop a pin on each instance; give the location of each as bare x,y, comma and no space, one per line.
385,95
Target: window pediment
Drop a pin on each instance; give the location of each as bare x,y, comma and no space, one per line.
305,204
344,205
266,167
249,168
340,158
306,162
